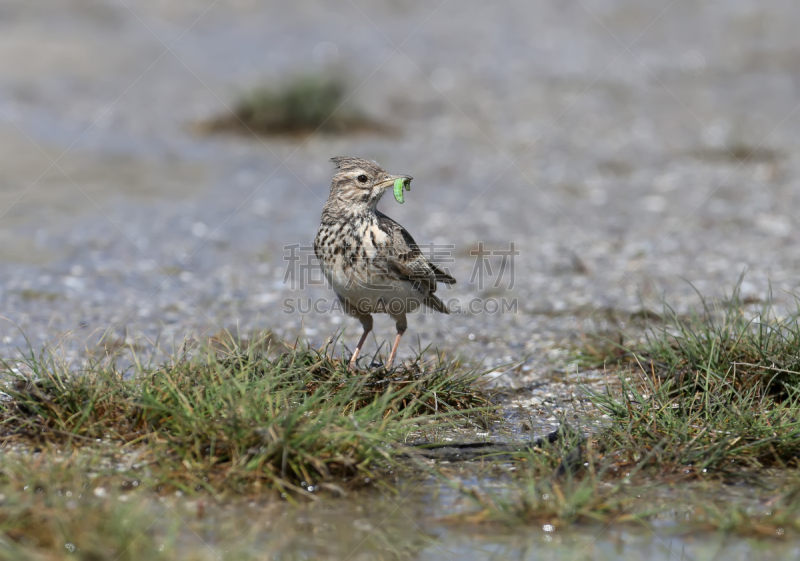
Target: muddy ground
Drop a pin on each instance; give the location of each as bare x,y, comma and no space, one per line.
630,152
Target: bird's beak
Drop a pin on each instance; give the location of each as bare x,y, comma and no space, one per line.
392,179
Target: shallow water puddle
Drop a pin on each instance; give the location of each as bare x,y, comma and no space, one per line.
378,525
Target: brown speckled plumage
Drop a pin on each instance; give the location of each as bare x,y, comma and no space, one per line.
371,261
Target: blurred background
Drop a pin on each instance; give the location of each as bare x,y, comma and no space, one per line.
157,156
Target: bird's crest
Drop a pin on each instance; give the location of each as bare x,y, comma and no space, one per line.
345,163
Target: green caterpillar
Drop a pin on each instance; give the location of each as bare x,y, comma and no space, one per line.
399,183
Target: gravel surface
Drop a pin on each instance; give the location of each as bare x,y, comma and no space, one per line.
601,137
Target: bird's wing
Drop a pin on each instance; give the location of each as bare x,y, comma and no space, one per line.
406,261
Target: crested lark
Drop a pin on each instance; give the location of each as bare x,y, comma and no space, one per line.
371,261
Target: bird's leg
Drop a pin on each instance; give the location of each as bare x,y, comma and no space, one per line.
352,365
394,349
402,325
366,322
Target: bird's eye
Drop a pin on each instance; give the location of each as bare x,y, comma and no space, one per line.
362,178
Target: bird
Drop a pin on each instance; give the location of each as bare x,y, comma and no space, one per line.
372,262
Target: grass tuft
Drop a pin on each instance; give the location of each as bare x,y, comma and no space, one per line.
305,104
713,392
242,418
704,399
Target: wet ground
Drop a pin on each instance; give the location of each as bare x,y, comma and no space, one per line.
602,138
414,524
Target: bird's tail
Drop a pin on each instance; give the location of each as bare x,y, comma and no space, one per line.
434,303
